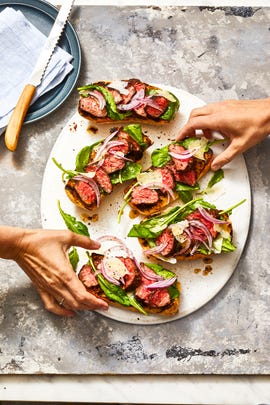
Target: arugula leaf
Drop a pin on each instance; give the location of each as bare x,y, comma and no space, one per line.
72,223
73,257
185,191
68,173
160,270
135,131
112,291
83,156
160,156
134,303
229,210
129,172
227,245
216,178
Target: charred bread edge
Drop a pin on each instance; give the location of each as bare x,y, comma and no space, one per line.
169,310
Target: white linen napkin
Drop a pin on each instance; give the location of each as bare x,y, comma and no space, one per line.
20,46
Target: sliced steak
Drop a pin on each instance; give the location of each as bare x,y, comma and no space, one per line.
85,192
159,298
133,276
180,164
87,277
101,177
91,105
142,195
112,164
116,95
140,110
188,177
162,104
166,238
127,97
196,215
167,177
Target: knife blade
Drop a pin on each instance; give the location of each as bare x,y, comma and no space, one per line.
16,120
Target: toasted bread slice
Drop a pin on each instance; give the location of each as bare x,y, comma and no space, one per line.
103,104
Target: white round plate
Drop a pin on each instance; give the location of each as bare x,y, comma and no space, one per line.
197,286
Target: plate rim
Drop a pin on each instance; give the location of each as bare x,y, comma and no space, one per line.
69,82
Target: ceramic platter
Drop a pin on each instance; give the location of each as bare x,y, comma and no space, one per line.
197,285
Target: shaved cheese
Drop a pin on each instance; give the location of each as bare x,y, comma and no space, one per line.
199,144
120,86
178,229
115,267
154,177
217,244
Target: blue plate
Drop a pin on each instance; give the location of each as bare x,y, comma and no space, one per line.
42,15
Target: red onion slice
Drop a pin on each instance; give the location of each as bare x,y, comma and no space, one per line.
209,217
150,274
105,273
91,183
96,94
184,155
156,249
198,224
104,146
136,101
162,283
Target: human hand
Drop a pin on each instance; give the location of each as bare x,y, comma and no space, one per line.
43,256
243,122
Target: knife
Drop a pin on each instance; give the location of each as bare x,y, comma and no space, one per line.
16,120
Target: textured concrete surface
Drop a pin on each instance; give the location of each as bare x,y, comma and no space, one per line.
214,53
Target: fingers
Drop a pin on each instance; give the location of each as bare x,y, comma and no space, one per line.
206,123
66,304
225,157
52,306
82,241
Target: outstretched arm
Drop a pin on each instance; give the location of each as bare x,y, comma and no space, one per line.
243,122
43,256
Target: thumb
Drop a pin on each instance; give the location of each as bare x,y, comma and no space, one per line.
224,158
83,242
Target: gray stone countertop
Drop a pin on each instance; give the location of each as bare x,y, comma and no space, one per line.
215,54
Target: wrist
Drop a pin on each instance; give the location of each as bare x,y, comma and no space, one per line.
10,241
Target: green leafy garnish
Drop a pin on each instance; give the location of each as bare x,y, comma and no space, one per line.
160,156
229,210
73,257
83,156
129,172
72,224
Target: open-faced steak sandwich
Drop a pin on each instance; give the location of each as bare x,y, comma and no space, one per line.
121,281
127,100
102,165
176,169
196,229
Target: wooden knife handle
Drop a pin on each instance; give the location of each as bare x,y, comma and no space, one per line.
16,120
